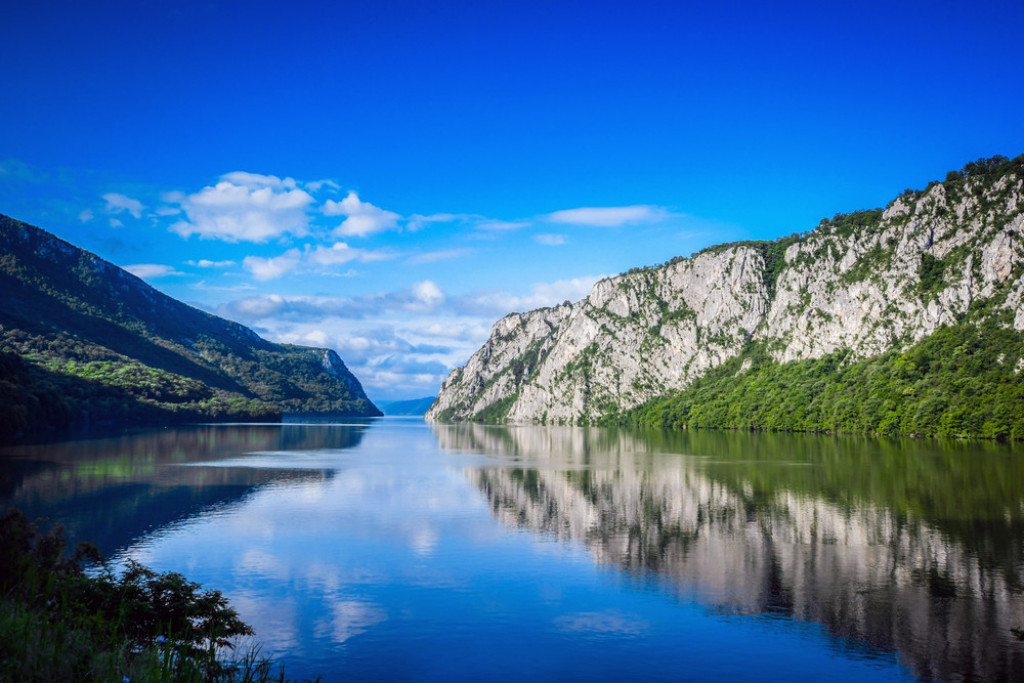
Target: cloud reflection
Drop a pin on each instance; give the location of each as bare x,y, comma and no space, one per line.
608,622
350,618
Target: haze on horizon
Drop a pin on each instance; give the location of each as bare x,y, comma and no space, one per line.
389,179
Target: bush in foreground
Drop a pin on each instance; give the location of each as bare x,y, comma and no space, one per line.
59,623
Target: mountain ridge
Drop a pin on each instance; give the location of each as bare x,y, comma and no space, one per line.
70,317
865,282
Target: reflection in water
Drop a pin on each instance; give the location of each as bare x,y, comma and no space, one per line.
905,547
111,490
367,552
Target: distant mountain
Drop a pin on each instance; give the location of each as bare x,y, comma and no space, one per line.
779,334
412,407
84,340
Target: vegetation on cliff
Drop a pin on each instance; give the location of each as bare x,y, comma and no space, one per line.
843,303
962,381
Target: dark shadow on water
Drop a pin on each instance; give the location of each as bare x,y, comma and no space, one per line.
110,490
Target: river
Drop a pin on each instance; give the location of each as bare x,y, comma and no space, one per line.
392,549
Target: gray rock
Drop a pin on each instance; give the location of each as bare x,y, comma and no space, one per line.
854,284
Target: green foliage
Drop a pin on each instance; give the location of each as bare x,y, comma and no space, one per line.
931,274
27,403
962,381
870,262
984,166
847,224
59,623
125,352
497,412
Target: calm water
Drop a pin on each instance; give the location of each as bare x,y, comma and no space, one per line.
399,550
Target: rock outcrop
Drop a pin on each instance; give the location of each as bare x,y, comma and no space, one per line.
867,281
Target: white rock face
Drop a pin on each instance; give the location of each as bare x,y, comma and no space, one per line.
866,282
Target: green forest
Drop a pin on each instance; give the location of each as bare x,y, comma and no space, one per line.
962,381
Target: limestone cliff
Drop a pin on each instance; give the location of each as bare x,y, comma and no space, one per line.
867,282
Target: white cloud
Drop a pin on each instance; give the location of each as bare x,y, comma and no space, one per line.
543,294
609,216
549,239
391,360
491,225
205,263
421,297
426,295
419,221
245,207
151,270
257,180
400,343
116,203
317,185
340,252
439,255
363,218
319,259
271,268
86,215
115,223
202,286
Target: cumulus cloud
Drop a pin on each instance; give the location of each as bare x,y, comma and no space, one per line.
340,252
271,268
400,343
319,259
549,239
609,216
206,263
388,363
363,218
117,203
244,207
151,270
421,297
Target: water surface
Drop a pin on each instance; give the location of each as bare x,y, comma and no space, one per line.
400,550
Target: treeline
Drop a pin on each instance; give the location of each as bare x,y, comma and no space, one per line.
962,381
62,394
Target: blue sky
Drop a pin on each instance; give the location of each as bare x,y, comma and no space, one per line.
390,178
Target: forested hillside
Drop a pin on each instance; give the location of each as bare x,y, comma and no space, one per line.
97,344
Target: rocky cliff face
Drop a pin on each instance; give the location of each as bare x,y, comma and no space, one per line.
866,281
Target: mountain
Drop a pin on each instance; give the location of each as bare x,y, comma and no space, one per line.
84,340
411,408
873,284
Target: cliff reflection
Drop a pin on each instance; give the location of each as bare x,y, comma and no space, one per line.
907,547
112,490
